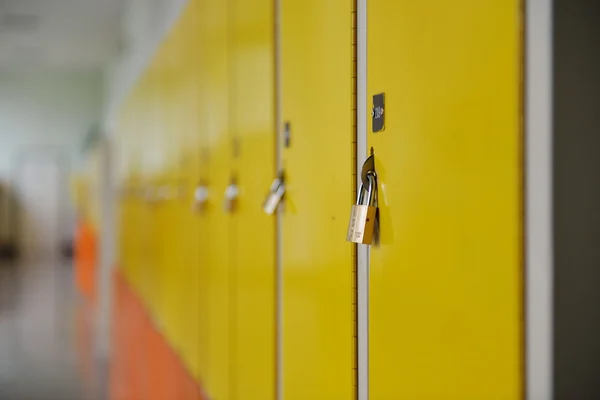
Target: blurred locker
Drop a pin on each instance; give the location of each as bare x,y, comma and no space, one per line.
180,163
188,281
221,184
252,118
446,278
153,253
169,102
204,196
318,159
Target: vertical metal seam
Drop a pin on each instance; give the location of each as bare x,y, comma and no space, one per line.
362,253
538,200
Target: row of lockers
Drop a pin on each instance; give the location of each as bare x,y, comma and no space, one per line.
199,148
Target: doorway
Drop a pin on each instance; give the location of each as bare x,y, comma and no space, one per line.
38,207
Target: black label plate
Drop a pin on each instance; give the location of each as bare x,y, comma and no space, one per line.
378,112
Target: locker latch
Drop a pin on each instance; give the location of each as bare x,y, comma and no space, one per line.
377,112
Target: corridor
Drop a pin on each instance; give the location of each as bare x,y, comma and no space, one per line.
42,334
299,200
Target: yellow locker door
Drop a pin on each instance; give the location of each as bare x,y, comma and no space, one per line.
189,159
176,135
202,179
214,31
154,246
318,278
252,116
203,243
446,280
169,103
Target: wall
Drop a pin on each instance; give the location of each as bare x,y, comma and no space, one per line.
53,109
576,199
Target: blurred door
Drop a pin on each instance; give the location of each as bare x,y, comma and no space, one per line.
38,205
252,119
318,160
446,279
215,86
204,193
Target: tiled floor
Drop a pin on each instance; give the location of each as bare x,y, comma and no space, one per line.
40,334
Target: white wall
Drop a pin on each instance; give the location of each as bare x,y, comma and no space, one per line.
55,109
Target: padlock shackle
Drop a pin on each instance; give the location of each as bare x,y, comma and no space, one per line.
370,190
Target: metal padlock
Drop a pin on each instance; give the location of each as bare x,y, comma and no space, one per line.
231,197
275,195
200,197
362,216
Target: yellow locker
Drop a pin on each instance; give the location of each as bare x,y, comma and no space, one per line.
176,102
203,242
446,280
252,119
318,278
188,162
168,136
214,24
205,180
152,122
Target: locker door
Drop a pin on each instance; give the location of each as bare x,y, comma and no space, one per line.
170,136
446,280
156,292
152,252
252,116
176,136
214,25
203,177
189,157
318,279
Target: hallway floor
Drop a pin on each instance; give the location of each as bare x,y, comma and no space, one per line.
43,334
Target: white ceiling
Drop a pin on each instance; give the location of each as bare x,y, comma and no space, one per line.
59,34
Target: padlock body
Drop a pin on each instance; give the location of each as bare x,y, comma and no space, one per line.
272,202
362,224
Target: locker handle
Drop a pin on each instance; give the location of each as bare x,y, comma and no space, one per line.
201,194
232,193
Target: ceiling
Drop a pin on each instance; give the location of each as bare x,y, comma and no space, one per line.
59,34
